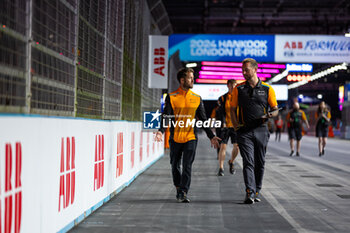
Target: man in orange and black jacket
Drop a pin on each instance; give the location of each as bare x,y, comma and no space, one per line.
254,99
183,105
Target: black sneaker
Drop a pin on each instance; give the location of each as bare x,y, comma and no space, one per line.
323,152
298,154
221,172
249,197
177,194
291,153
232,168
183,198
320,154
257,197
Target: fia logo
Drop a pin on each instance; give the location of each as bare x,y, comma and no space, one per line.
151,120
288,54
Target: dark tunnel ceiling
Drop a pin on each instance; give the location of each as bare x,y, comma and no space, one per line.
259,16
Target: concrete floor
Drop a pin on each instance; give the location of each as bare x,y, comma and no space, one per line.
300,194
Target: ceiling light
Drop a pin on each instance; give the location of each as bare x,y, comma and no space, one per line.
319,96
189,65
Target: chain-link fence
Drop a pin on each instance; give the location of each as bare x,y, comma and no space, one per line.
86,58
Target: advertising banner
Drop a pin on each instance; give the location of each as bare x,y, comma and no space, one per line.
309,48
54,172
158,62
224,47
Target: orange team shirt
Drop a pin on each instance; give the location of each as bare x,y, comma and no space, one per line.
228,110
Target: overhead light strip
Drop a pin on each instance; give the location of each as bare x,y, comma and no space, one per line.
318,75
278,77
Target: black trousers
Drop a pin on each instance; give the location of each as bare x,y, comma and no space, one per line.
186,152
252,146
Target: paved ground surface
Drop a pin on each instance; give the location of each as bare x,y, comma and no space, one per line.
300,194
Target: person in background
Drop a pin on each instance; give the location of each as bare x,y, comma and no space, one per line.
295,118
323,116
250,105
180,106
227,131
215,115
279,127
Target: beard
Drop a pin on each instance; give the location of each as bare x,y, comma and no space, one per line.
247,78
188,85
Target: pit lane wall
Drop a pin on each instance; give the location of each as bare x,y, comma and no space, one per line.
55,171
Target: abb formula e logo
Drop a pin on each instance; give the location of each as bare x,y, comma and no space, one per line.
11,191
119,165
99,162
67,173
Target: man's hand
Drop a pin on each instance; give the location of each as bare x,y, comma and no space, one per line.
267,115
215,142
273,113
159,136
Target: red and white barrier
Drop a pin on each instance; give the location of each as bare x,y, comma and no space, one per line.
55,171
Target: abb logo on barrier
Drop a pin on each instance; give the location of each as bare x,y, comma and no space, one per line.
67,173
159,61
141,139
132,149
99,162
147,144
11,197
119,165
293,45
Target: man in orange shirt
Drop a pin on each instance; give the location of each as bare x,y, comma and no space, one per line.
181,106
253,99
295,118
227,131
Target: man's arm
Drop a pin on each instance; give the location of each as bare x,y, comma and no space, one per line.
273,103
273,113
200,113
233,111
303,116
168,110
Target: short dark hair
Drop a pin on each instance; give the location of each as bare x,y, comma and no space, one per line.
231,81
252,62
183,72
